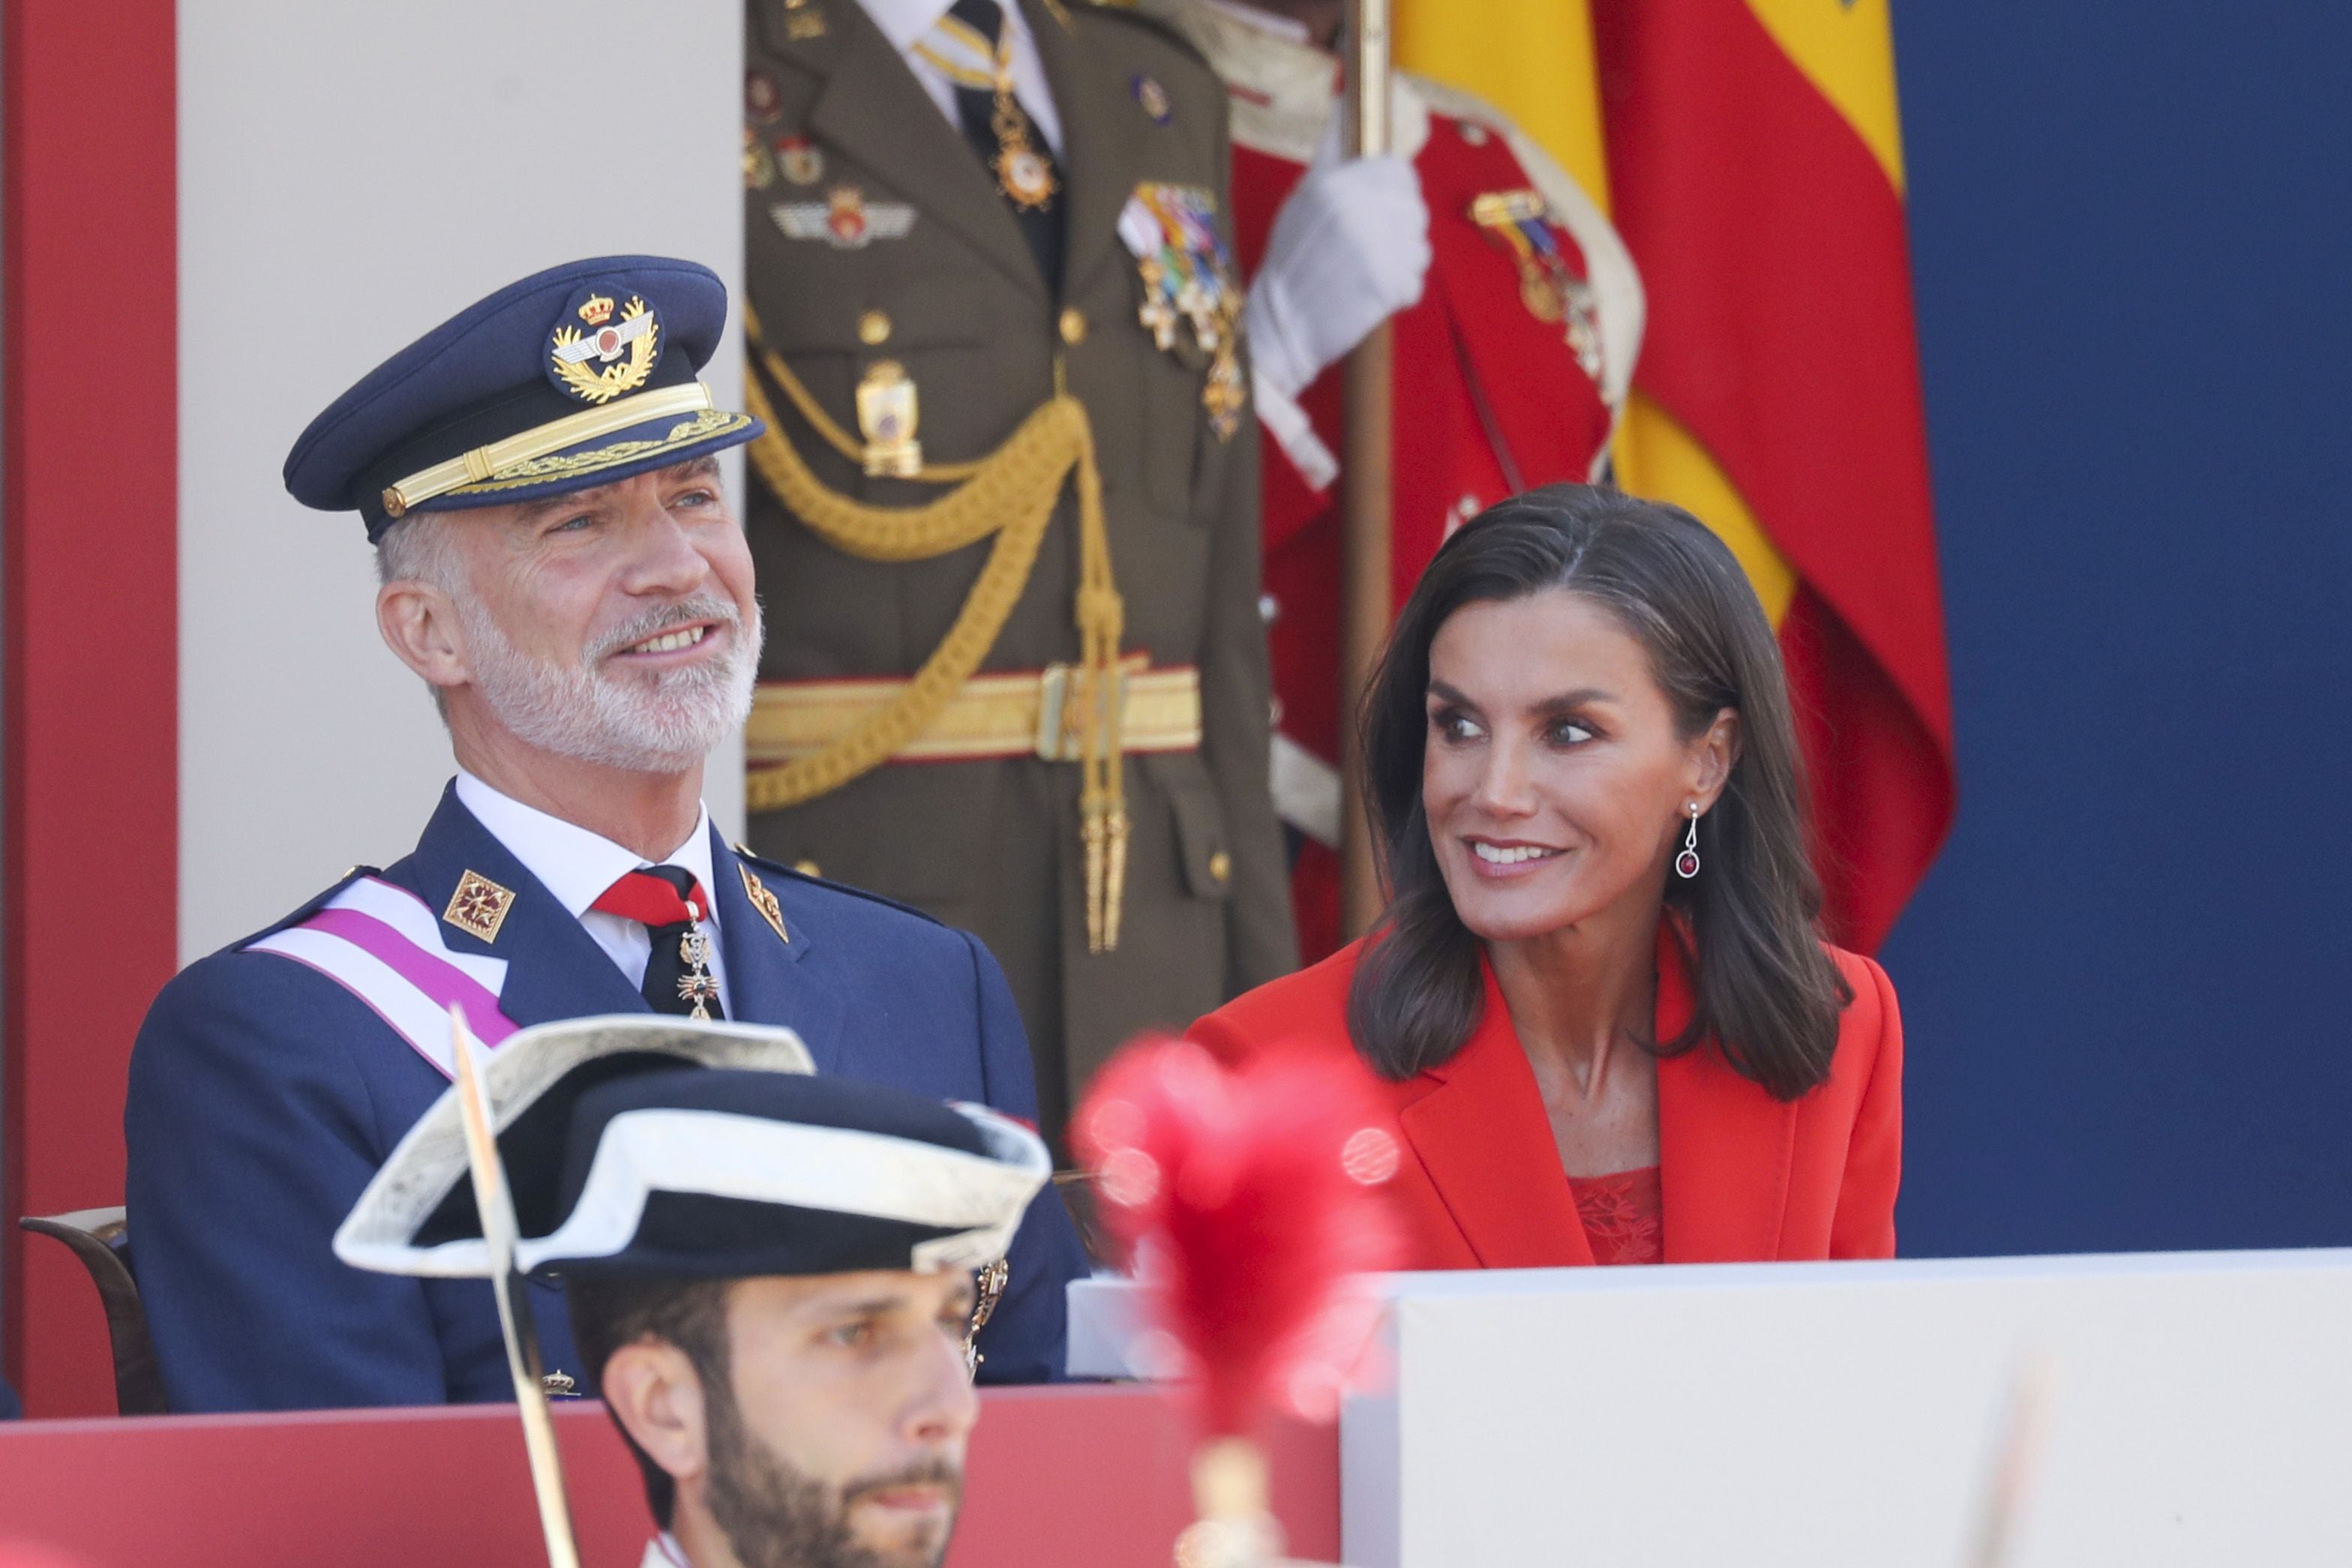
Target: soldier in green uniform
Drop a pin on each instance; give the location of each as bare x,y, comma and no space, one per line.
1006,519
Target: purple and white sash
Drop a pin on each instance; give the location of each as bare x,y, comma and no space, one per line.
381,944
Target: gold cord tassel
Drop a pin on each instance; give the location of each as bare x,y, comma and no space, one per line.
1011,495
1102,803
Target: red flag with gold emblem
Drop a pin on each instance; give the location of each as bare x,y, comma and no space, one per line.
1756,167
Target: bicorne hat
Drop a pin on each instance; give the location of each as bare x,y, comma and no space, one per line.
654,1146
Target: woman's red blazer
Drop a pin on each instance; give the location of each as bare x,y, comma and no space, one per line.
1743,1177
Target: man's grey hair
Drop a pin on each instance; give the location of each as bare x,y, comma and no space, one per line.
420,549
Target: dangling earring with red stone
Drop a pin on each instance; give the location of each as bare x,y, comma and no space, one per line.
1686,862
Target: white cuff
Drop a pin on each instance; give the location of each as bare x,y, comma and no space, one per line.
1293,432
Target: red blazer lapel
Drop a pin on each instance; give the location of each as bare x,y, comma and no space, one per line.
1480,1132
1724,1144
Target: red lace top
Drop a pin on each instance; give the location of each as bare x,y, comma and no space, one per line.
1624,1219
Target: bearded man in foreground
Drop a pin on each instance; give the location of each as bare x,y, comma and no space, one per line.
561,567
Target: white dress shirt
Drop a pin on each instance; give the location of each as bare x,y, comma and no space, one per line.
577,866
904,22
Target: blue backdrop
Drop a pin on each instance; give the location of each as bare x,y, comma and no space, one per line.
2123,982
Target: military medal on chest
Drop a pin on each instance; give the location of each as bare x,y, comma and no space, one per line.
1188,284
697,986
1022,172
798,159
970,61
803,21
1551,289
759,165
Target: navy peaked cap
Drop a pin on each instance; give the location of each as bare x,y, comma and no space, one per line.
573,377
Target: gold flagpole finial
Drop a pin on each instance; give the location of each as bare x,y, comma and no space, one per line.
500,1232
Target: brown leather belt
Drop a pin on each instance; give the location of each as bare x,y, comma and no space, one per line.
1025,713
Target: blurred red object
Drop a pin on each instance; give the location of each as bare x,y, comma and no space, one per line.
1248,1199
15,1555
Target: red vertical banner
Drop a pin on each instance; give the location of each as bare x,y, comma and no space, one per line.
88,646
1754,157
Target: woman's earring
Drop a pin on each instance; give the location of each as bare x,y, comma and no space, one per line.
1686,862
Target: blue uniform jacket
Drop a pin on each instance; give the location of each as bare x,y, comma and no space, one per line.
263,1095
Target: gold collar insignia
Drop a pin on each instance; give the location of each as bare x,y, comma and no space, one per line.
763,901
479,906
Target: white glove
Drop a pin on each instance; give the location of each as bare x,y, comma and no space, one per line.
1349,249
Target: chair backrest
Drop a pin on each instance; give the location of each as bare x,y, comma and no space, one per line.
100,1238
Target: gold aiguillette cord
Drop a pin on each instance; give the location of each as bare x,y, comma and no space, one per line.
1008,496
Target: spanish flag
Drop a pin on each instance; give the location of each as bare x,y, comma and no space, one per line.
1749,154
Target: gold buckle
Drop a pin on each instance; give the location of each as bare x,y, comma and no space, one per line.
1057,737
1063,693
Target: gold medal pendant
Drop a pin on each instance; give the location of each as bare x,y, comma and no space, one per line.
1540,293
1224,394
1156,313
1025,177
1022,172
1025,174
759,164
698,984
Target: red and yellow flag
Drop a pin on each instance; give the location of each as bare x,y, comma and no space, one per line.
1750,152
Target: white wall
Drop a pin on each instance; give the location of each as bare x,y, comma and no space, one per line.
2168,1410
350,174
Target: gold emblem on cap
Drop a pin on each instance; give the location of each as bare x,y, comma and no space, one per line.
479,906
874,328
628,347
763,901
888,416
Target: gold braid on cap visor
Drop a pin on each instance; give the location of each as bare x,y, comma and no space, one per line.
487,463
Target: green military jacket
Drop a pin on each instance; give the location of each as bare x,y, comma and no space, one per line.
955,298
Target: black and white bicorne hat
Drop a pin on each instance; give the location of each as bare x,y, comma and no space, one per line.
636,1145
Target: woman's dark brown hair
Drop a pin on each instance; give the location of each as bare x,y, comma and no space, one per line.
1765,991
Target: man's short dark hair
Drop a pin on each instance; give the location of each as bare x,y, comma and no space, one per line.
690,1313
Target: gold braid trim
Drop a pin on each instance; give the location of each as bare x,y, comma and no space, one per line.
1009,494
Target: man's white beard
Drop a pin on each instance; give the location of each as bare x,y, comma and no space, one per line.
656,722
